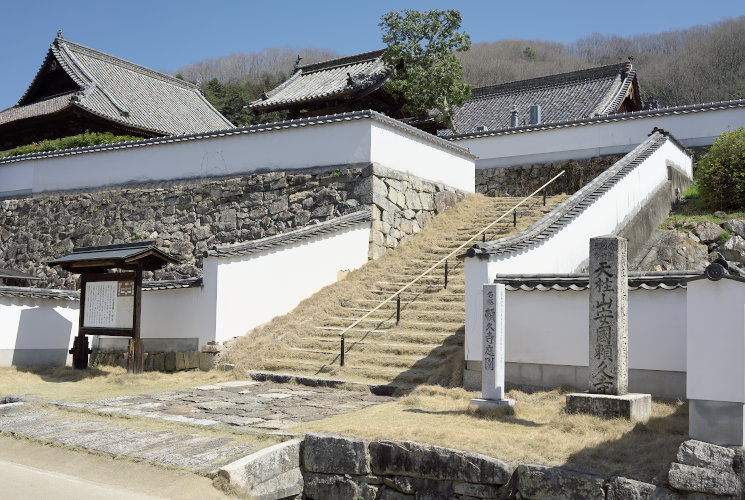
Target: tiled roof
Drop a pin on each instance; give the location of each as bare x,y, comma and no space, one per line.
47,106
567,96
251,129
12,273
120,253
291,237
74,295
573,206
620,117
336,78
123,92
655,280
148,286
38,293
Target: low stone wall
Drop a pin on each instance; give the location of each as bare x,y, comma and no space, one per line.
403,205
159,361
186,218
341,468
521,180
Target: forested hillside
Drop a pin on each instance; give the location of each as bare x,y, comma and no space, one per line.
699,64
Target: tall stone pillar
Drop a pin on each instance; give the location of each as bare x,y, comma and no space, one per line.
608,395
609,317
492,351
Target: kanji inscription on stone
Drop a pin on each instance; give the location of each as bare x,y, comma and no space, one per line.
492,373
608,316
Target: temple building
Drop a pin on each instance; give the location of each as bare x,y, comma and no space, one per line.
351,83
356,82
80,89
551,99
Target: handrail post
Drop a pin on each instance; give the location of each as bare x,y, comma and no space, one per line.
446,274
398,308
341,354
397,294
544,197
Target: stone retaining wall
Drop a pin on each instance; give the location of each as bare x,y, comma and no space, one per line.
159,361
521,180
403,205
188,217
341,468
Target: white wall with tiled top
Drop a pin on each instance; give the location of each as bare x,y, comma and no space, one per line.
598,139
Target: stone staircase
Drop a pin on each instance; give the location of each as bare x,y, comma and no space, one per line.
426,345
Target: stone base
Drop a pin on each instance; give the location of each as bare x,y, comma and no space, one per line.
507,406
630,406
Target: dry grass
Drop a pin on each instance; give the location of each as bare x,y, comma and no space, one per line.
539,432
68,384
261,347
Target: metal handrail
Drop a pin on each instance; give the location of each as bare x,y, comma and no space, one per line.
444,259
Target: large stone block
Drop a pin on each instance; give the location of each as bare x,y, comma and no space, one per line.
702,480
428,461
537,482
701,454
287,484
621,488
331,454
336,487
636,407
263,465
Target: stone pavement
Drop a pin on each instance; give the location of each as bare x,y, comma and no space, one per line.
253,407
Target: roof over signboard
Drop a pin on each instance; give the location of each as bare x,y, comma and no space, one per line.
120,255
75,76
343,78
567,96
13,274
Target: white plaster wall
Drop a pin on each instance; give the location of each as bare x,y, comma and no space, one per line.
252,290
587,141
567,250
328,144
553,328
302,147
177,313
716,341
27,323
398,150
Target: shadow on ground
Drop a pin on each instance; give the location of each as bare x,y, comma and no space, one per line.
59,374
650,447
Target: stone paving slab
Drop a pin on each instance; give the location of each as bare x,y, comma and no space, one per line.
258,407
243,404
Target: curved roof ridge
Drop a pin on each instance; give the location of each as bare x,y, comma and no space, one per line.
570,208
581,75
342,61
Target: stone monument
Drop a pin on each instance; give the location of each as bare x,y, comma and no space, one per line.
608,394
492,350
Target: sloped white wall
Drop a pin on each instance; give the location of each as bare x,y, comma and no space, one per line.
567,250
251,290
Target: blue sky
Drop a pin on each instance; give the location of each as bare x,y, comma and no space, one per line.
166,35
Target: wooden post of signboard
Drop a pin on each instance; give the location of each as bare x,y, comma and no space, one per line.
80,349
136,359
